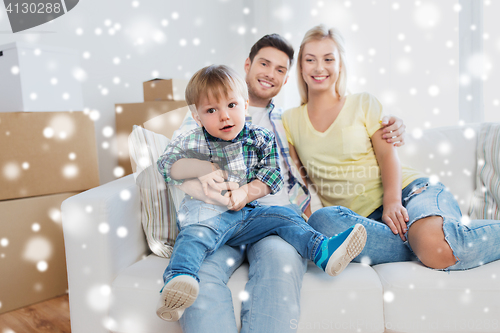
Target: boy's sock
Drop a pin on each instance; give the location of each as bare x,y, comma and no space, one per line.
334,254
179,293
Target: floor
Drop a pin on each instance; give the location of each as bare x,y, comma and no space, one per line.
48,316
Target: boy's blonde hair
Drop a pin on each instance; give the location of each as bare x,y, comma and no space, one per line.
318,33
214,81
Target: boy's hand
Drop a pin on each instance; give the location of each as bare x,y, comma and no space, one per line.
396,217
394,130
211,179
237,199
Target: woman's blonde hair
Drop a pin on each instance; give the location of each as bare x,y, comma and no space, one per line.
318,33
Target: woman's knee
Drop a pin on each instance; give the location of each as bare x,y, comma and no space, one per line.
427,240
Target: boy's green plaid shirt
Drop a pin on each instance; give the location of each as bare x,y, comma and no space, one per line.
251,155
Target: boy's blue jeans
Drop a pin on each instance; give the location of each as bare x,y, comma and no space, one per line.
203,228
474,244
271,299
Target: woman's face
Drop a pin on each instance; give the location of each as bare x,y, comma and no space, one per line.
320,65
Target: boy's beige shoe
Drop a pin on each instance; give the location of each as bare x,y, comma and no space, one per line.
179,293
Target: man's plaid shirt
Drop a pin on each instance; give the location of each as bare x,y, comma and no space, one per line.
253,154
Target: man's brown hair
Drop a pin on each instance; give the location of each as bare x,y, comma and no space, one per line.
273,40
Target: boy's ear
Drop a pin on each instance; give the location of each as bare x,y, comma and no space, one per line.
286,80
248,63
196,118
246,105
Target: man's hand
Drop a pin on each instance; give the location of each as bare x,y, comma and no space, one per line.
396,217
394,130
193,188
237,199
212,179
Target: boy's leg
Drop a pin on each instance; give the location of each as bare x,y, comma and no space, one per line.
263,221
181,275
332,255
273,287
203,229
189,251
213,311
382,246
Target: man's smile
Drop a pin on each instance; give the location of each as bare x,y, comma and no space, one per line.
265,83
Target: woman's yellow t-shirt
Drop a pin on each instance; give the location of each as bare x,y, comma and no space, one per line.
341,161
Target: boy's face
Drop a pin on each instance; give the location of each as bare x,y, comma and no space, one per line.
223,119
266,74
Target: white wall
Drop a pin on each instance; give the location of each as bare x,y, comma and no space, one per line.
491,45
400,51
214,23
406,53
393,52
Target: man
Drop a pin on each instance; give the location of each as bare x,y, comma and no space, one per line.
271,299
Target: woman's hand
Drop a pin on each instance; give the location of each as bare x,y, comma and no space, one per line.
396,217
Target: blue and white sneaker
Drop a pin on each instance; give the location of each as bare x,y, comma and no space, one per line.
179,293
336,253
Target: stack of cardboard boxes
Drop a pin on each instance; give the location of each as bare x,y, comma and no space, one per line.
47,154
162,112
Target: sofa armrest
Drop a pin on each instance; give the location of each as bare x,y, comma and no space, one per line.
103,235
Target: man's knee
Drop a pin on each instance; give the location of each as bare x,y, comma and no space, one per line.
272,255
274,248
218,267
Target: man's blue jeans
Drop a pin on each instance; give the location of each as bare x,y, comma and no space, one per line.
273,289
474,244
203,228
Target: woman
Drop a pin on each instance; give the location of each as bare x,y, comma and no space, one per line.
336,141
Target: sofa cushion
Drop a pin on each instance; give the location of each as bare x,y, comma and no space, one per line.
419,299
158,215
486,201
348,302
137,289
135,293
448,154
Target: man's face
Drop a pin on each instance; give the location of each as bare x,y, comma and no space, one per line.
266,74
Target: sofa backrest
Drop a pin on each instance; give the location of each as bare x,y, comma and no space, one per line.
448,153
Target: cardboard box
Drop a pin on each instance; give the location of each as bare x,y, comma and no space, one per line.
164,90
32,257
162,117
45,153
39,78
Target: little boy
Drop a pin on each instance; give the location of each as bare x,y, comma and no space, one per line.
224,147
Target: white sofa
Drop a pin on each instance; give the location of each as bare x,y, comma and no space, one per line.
114,279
